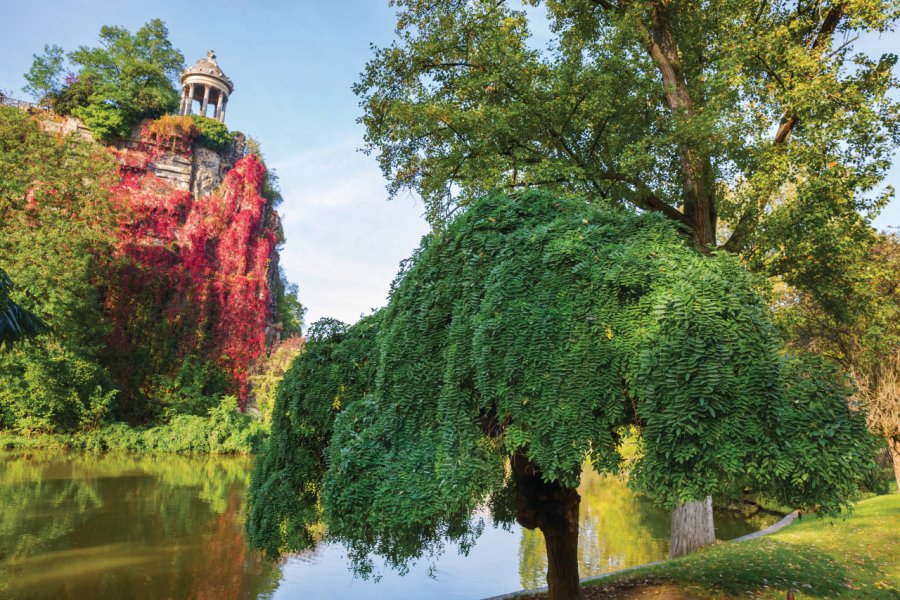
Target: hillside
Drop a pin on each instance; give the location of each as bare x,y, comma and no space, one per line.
153,261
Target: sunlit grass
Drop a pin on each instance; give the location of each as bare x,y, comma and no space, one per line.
853,558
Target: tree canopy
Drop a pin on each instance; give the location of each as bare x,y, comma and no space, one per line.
533,330
113,86
762,128
866,343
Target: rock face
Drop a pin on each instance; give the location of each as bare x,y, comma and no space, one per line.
65,126
208,171
208,167
174,168
200,170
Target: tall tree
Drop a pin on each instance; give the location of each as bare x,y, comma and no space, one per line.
517,344
758,127
866,343
128,77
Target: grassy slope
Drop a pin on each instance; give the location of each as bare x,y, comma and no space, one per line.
854,558
857,557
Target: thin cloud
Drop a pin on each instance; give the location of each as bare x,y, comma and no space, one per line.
345,241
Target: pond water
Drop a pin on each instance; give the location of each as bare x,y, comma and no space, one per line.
134,526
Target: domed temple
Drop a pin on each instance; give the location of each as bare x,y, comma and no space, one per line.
205,83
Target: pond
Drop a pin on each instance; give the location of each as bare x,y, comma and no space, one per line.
135,526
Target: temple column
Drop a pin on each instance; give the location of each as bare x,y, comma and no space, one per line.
189,107
219,103
222,112
183,98
205,101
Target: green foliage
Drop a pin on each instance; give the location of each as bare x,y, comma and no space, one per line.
48,387
766,126
57,236
75,95
46,72
336,367
213,134
15,323
818,439
224,430
864,337
127,78
289,311
544,325
104,120
194,389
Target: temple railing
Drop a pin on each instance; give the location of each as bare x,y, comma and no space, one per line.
22,104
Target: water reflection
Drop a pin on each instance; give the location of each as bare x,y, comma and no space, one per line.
616,531
89,526
619,530
131,526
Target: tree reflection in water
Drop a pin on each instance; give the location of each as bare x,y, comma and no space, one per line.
618,530
91,525
132,526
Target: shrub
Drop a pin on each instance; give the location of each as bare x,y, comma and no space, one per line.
212,134
270,370
171,132
223,431
194,390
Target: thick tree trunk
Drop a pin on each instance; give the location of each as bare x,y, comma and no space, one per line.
553,509
697,177
562,558
894,447
692,527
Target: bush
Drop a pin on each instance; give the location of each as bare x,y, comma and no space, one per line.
223,431
171,132
212,134
195,389
49,388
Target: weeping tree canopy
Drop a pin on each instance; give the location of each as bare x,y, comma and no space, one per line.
537,327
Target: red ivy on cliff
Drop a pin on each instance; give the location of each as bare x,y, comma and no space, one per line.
194,271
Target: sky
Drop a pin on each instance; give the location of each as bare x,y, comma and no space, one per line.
293,65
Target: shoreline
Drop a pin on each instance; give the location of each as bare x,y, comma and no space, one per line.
784,522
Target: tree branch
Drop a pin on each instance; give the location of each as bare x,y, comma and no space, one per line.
750,218
646,199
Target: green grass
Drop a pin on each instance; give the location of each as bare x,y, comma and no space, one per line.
853,558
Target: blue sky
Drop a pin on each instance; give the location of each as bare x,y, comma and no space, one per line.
293,64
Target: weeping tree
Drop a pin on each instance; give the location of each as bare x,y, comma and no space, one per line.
519,343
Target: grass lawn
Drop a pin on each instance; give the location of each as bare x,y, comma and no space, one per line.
853,558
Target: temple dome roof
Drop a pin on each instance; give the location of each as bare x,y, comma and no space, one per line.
208,66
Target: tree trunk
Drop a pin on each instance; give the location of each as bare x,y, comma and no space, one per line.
697,176
553,509
894,447
692,527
